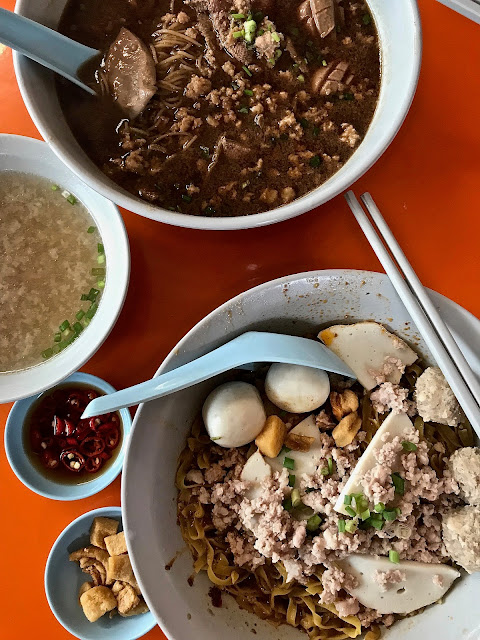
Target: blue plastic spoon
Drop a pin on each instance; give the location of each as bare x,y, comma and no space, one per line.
46,46
250,347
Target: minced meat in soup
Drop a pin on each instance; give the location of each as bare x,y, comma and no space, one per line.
257,102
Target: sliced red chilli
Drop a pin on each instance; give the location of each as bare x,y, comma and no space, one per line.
73,460
50,459
92,446
58,426
93,464
111,438
70,428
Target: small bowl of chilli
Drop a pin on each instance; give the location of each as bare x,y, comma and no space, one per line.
57,454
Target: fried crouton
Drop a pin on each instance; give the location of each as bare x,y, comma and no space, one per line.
100,529
116,544
140,608
297,442
270,439
96,602
120,568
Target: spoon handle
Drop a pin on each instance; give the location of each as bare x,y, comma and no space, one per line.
46,46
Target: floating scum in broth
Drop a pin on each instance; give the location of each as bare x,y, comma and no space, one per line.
255,103
52,270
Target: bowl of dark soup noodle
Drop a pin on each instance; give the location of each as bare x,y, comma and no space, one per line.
227,114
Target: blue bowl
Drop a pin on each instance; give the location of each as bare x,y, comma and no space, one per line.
63,579
34,479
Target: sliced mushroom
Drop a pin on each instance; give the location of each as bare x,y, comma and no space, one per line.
331,79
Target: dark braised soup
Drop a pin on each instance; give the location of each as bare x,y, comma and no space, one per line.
257,103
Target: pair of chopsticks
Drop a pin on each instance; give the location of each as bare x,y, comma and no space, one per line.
432,328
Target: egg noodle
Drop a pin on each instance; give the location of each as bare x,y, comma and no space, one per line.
265,591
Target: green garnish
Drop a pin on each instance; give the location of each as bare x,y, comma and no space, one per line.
79,315
64,326
261,32
248,92
314,522
347,499
205,151
316,131
376,523
348,96
239,34
304,123
98,271
324,63
90,229
361,503
315,161
285,449
275,37
350,526
72,199
295,498
55,187
409,446
330,465
209,211
289,463
380,507
48,353
291,480
250,27
84,296
258,16
287,504
101,284
389,516
92,294
393,556
247,71
350,511
243,110
366,18
100,248
324,471
101,259
238,16
398,483
57,337
91,312
301,78
186,198
365,515
341,526
77,327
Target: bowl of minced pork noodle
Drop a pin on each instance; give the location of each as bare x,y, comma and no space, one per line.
52,270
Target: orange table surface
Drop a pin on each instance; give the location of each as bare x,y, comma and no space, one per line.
427,186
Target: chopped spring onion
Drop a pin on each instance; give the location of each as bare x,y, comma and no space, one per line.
55,187
48,353
379,507
361,503
315,161
78,328
330,465
261,32
275,37
393,556
56,349
366,18
376,523
238,16
409,446
101,284
79,315
250,27
347,499
205,151
209,211
324,471
72,199
248,92
389,516
350,526
84,296
278,53
92,294
186,198
57,337
295,498
341,526
98,271
291,480
365,515
90,229
285,449
243,110
398,483
289,463
91,312
348,96
101,258
64,326
287,504
314,522
100,248
301,78
247,71
258,16
324,63
239,34
304,123
350,511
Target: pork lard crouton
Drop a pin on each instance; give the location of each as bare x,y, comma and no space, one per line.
100,529
120,568
116,544
96,602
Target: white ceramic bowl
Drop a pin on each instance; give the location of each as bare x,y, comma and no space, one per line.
398,26
35,157
294,304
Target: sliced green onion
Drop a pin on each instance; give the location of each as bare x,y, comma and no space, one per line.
301,78
347,499
55,187
291,480
365,515
350,526
341,526
91,312
238,16
409,446
101,259
261,32
350,511
250,27
91,230
72,199
275,37
79,315
77,327
315,161
361,503
100,247
389,516
330,465
285,449
85,322
376,523
348,96
295,498
379,507
398,483
243,110
56,349
84,297
304,123
324,63
287,504
289,463
98,271
92,294
48,353
205,151
398,511
101,284
258,16
65,325
366,18
247,71
248,92
57,337
324,471
239,34
393,556
186,198
314,522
